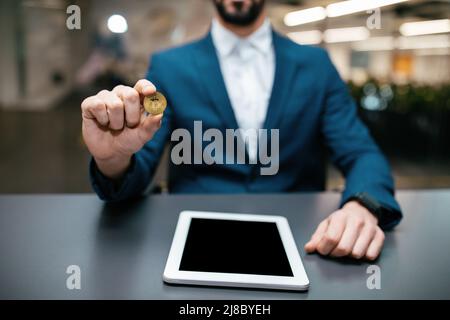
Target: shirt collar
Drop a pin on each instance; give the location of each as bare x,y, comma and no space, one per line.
225,41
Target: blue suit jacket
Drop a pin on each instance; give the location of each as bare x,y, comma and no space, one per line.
310,105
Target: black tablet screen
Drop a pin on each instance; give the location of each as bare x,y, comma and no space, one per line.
231,246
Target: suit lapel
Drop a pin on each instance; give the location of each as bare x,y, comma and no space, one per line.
211,76
285,69
212,79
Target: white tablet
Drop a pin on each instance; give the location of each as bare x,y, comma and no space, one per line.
235,250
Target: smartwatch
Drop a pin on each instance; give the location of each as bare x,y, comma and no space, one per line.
369,203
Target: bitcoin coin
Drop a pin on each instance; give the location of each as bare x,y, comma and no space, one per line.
155,104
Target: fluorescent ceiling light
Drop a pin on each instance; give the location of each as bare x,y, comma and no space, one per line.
425,27
403,43
117,24
352,6
346,34
423,42
306,37
375,44
296,18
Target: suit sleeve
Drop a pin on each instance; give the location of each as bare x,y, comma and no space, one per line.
354,151
143,163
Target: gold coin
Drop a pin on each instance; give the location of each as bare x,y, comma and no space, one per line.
155,104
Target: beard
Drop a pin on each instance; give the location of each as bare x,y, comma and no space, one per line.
241,16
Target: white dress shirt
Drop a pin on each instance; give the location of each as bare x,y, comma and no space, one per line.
248,69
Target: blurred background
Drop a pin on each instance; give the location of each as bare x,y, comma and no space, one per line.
397,69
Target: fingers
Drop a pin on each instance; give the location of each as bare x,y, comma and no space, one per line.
144,88
311,246
376,245
363,242
119,107
149,125
132,105
349,237
114,109
333,234
351,231
93,108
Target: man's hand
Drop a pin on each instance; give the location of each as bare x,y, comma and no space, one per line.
351,231
115,127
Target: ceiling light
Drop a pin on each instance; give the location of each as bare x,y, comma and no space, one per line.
352,6
117,24
346,34
425,27
296,18
423,42
306,37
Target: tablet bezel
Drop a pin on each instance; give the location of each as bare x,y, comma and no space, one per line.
173,275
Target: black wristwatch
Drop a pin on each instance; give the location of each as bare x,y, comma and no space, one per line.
369,203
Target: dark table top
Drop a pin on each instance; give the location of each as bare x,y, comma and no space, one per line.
122,248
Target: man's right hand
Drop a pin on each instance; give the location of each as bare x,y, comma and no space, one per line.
115,126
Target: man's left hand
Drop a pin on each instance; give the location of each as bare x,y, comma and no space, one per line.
351,231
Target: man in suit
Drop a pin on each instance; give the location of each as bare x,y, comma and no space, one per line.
244,75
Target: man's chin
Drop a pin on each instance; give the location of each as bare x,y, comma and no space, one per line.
241,18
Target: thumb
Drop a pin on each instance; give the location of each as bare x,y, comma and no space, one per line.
311,245
149,125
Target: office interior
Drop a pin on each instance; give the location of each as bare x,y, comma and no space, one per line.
397,69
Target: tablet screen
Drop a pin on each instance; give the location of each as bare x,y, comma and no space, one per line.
231,246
